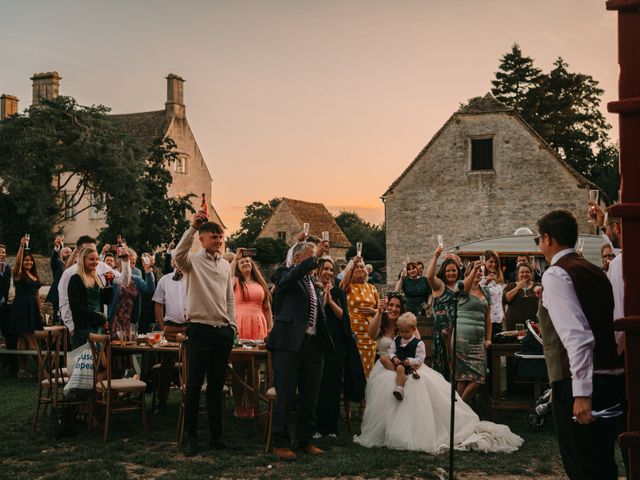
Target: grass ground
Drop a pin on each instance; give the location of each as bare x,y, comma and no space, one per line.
25,454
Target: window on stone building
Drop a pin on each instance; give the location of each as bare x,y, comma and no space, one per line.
69,205
482,154
282,236
94,212
180,164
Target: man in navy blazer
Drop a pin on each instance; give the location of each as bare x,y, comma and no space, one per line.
297,341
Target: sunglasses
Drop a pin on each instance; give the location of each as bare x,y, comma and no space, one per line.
537,240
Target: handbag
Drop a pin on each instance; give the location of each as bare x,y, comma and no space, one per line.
80,384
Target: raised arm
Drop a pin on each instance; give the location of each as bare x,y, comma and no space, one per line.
182,249
17,267
437,285
468,280
511,294
348,273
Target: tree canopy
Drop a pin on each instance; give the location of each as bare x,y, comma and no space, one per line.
59,153
564,108
255,217
373,237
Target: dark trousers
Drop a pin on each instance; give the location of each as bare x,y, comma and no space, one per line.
328,412
208,350
11,340
301,371
588,451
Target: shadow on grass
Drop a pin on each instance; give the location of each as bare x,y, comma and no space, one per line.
26,454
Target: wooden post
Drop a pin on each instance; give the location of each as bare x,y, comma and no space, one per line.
628,107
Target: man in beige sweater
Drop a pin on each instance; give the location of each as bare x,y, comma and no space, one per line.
212,325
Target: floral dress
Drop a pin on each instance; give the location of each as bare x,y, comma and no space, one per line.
444,310
363,295
124,309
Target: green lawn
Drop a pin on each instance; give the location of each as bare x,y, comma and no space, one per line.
130,454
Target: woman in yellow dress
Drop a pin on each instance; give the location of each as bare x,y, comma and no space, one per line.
362,302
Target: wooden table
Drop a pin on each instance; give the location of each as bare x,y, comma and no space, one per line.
254,357
507,350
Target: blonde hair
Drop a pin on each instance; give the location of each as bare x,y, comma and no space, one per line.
408,320
87,278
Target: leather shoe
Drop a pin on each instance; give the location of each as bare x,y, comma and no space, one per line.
284,454
312,450
222,443
190,447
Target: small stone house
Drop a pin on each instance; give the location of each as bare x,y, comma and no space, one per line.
485,173
190,172
289,217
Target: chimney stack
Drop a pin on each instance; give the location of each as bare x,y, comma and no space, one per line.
45,86
8,106
175,95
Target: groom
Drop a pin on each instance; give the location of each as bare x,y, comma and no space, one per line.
297,341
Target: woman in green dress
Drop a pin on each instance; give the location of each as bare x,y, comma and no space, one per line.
473,334
415,288
444,288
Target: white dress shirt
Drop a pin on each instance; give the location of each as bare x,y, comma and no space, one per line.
173,295
421,352
617,283
63,293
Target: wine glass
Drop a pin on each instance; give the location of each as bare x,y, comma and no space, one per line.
359,248
440,241
120,334
580,245
594,196
305,228
134,330
27,237
325,236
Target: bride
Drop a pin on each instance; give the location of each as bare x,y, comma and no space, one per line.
420,422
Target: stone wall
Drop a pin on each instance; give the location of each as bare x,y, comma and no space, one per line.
282,220
440,195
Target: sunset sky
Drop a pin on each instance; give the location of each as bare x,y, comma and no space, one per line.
324,101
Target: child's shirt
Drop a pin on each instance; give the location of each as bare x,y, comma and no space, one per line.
412,349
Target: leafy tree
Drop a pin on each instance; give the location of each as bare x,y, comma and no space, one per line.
606,172
161,218
56,154
255,217
270,251
515,77
356,229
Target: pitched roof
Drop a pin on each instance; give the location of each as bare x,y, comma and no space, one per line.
489,104
146,127
319,220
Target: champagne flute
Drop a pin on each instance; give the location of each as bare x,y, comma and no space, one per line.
594,196
305,229
325,236
580,245
359,248
440,241
482,260
27,237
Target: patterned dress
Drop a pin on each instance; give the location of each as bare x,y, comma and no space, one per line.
124,309
471,357
444,310
363,295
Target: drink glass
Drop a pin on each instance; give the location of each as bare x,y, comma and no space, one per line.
520,330
594,196
27,237
305,228
325,236
482,260
580,245
359,248
134,330
440,241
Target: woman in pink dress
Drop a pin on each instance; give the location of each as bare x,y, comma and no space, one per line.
253,316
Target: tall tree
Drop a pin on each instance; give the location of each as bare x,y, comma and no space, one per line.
161,218
516,75
55,155
255,217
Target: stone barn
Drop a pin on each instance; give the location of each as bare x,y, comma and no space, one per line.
485,173
288,218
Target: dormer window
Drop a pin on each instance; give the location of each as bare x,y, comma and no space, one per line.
481,154
180,164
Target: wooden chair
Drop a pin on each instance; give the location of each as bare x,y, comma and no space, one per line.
183,364
51,380
114,394
270,395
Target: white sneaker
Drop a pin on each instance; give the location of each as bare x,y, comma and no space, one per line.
317,436
332,435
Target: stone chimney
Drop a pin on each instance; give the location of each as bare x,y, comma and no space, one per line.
45,86
175,95
8,106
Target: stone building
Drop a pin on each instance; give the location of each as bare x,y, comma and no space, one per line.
190,173
485,173
289,217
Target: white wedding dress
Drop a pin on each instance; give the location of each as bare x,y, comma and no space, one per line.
420,422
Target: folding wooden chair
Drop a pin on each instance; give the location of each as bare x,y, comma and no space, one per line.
114,394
